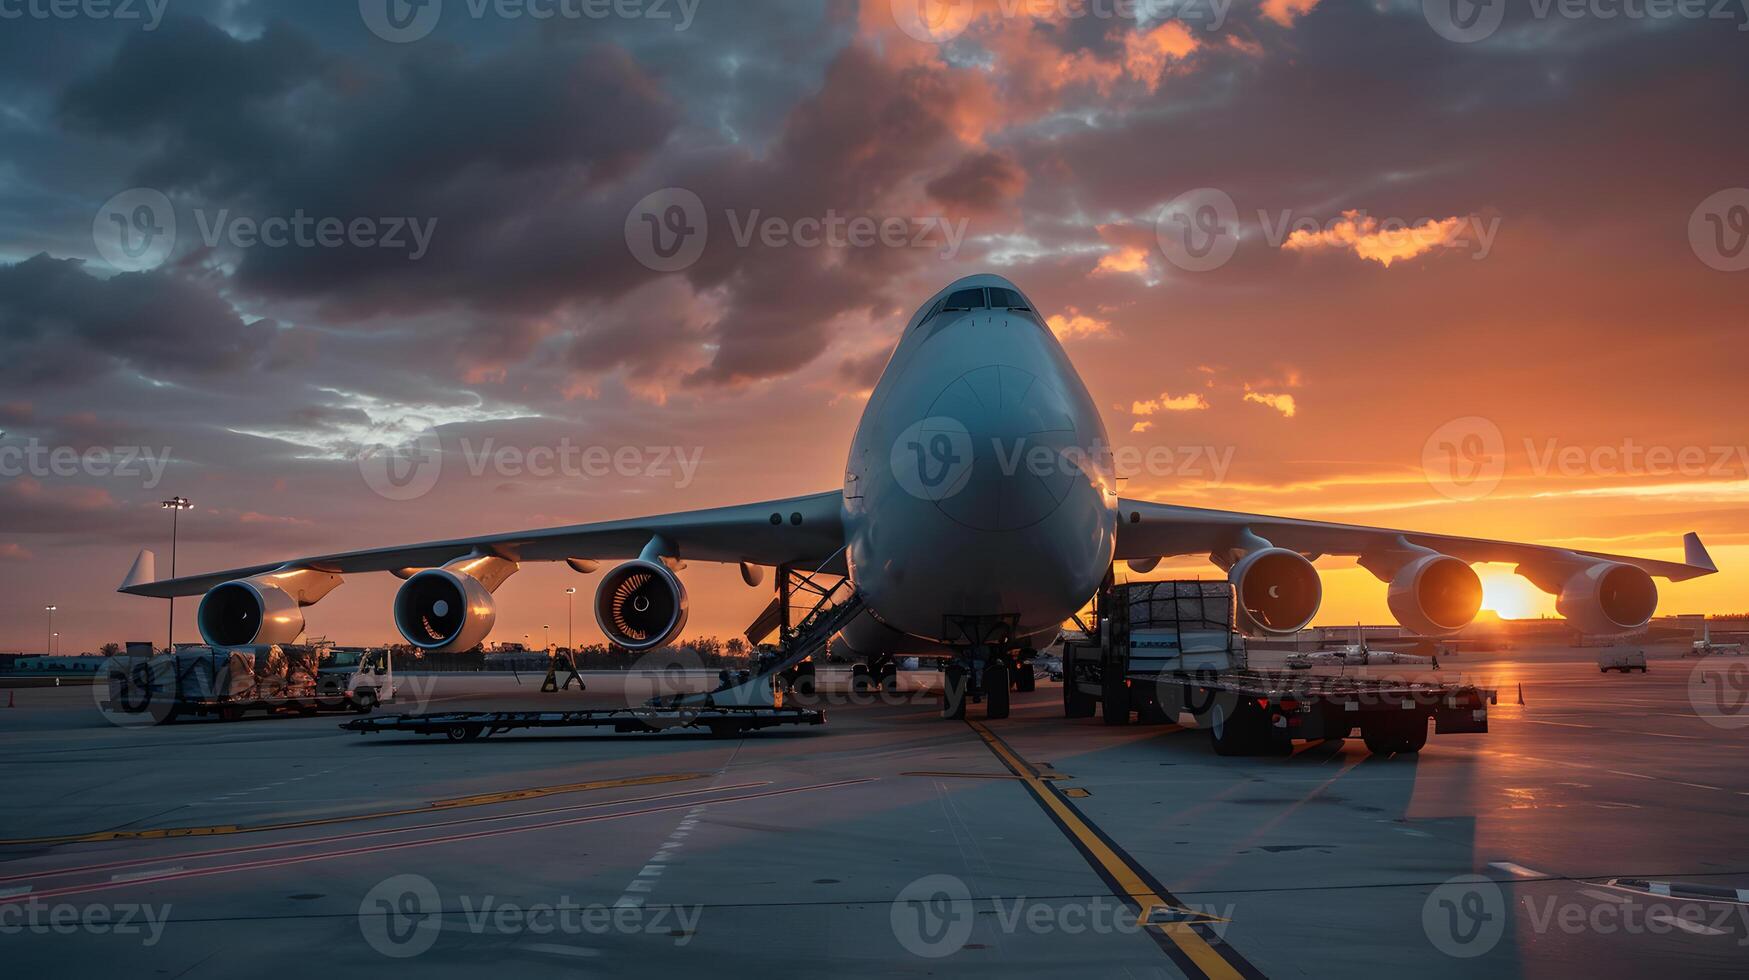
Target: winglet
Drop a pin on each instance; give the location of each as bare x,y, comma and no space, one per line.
1694,553
144,572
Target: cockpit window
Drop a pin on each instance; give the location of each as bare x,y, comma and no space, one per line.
964,299
1006,299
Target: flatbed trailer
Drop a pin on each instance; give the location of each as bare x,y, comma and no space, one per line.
460,726
1165,651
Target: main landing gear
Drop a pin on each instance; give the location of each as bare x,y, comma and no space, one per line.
984,668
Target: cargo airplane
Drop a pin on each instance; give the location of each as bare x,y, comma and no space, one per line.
979,512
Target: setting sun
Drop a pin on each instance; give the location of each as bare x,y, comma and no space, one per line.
1512,597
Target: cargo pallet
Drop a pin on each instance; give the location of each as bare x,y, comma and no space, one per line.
1163,650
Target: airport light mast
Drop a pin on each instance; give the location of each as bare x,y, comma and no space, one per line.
570,639
52,634
175,505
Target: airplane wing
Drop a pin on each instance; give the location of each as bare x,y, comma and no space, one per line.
1149,531
795,530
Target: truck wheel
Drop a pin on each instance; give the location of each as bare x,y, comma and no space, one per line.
804,683
1076,704
859,679
1025,679
953,693
1235,733
462,733
996,682
364,702
1395,735
1114,697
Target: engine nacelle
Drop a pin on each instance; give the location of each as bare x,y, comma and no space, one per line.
442,610
1435,595
641,605
1277,590
1608,597
249,611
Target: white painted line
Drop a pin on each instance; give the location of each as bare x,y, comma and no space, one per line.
1685,925
1636,775
1695,785
651,869
561,950
1604,896
20,890
1516,870
131,875
628,902
640,885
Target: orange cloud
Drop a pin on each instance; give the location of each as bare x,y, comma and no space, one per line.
1148,53
1285,12
1142,426
1131,259
1077,324
1281,403
1193,402
1361,234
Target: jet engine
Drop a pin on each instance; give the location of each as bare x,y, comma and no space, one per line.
247,611
641,605
266,608
444,610
1435,594
1278,590
1608,597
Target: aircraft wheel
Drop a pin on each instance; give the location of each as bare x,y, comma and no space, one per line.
1025,678
953,693
996,684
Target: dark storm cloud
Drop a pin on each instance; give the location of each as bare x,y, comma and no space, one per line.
64,322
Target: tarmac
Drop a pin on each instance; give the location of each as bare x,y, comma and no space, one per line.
1597,830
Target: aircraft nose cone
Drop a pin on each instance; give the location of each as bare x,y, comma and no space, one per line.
996,451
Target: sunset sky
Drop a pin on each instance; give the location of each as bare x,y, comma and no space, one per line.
1517,257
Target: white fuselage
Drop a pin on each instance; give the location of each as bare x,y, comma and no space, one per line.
978,488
